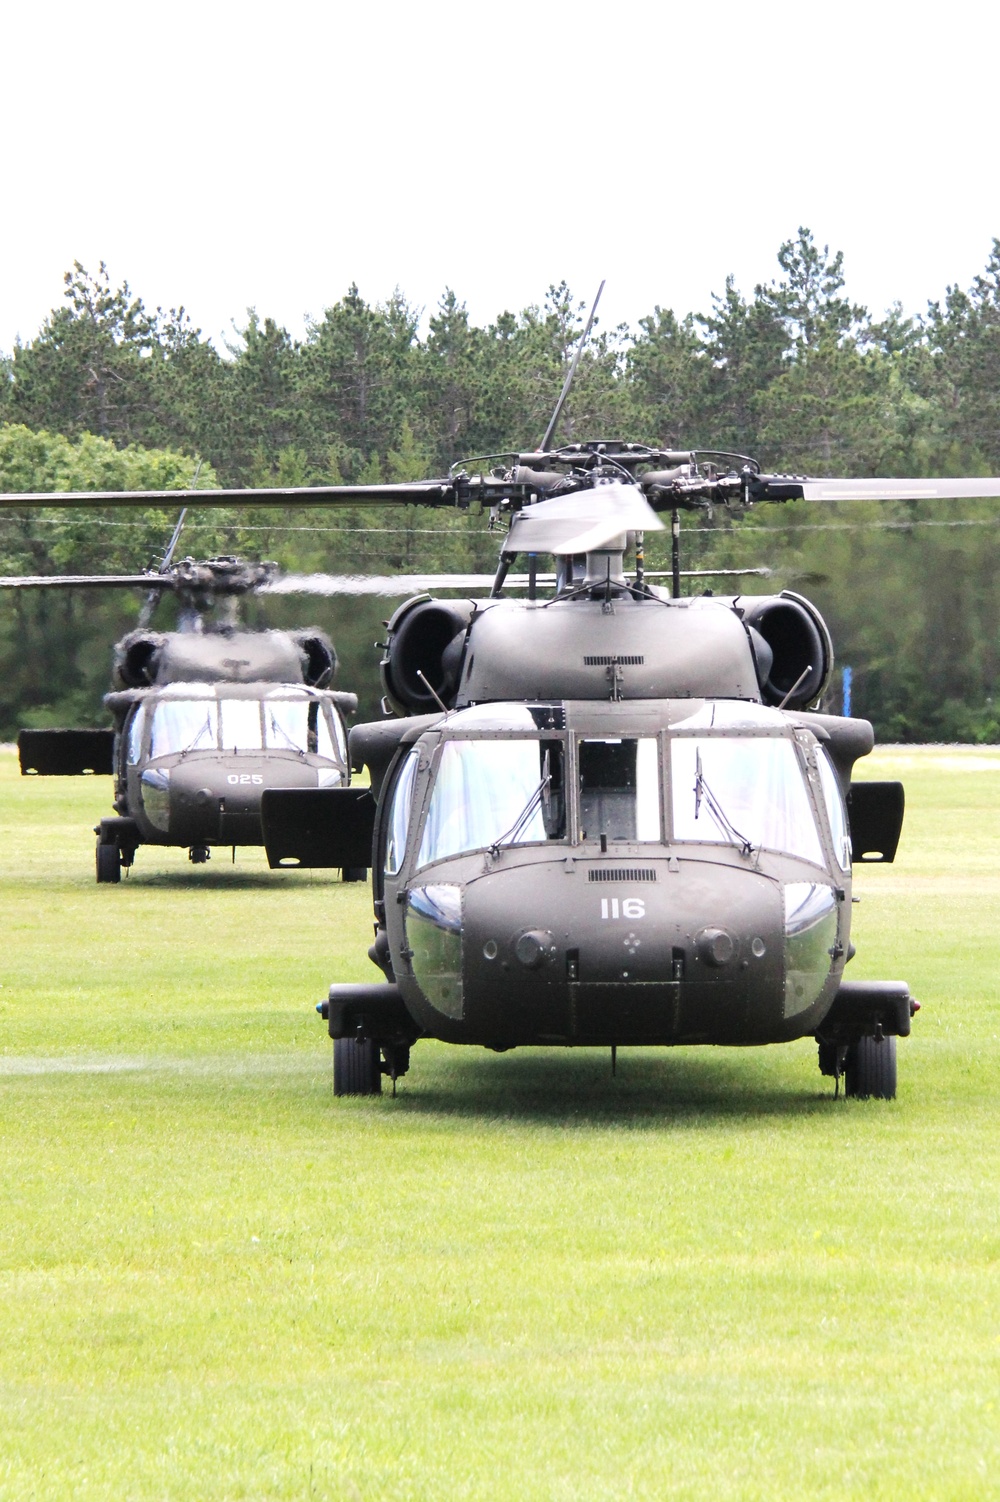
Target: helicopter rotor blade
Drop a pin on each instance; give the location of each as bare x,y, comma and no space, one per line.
89,581
388,585
684,488
408,493
900,490
372,584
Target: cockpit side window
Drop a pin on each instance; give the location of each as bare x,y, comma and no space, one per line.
742,789
835,810
136,726
494,792
339,734
619,789
399,814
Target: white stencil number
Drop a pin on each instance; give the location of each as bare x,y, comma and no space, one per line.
627,907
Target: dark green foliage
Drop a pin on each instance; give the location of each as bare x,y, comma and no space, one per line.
112,394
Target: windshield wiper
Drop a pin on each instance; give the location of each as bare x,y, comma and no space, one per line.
703,791
523,818
207,725
280,730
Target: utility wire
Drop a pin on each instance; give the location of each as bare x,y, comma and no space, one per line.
688,532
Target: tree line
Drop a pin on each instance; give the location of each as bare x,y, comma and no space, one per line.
113,394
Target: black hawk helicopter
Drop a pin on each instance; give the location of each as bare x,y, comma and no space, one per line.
612,815
206,718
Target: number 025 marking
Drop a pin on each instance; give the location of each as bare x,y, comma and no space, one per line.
628,907
235,778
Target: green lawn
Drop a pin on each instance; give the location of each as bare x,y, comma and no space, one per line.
703,1279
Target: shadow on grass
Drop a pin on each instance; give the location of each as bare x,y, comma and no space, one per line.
576,1087
228,878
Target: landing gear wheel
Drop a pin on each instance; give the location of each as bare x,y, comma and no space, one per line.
871,1069
109,862
357,1068
354,873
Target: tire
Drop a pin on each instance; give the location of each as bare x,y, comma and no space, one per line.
871,1069
109,862
354,873
357,1069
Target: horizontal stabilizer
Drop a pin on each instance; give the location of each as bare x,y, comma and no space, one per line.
318,827
869,1007
875,811
66,753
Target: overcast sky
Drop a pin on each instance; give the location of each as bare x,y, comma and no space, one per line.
221,155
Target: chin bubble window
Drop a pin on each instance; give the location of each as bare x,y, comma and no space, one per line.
434,936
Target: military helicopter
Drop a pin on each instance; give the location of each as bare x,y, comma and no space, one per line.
205,718
612,815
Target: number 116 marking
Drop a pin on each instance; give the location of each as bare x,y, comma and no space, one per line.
628,907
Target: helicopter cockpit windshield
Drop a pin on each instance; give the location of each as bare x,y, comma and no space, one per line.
199,719
744,781
743,790
493,792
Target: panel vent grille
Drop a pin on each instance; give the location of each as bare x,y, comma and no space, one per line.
622,873
636,660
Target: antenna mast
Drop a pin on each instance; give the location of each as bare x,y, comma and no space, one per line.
543,446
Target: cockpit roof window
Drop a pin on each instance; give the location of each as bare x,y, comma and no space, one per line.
513,717
732,714
293,692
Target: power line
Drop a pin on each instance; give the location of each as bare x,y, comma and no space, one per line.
690,532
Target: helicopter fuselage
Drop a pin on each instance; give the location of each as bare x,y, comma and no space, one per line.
193,759
666,871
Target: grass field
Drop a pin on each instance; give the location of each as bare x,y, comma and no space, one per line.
703,1279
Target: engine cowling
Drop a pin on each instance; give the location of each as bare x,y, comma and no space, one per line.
137,659
425,637
790,638
320,662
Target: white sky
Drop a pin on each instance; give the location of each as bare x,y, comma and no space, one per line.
221,155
